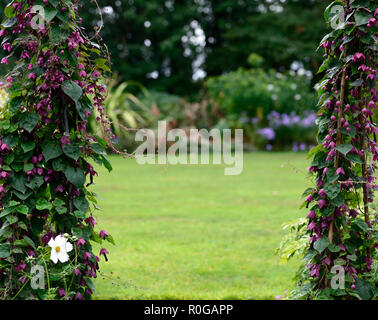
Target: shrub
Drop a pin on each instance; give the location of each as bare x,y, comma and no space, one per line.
288,132
256,93
255,100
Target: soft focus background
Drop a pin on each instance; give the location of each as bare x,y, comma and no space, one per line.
189,232
247,64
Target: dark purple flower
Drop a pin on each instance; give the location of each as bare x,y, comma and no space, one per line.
90,221
358,57
372,22
340,171
311,214
78,296
315,271
22,280
59,188
87,255
47,237
320,183
31,253
81,242
322,203
322,193
103,234
61,292
372,105
88,292
4,175
95,74
104,252
312,226
326,261
65,140
21,266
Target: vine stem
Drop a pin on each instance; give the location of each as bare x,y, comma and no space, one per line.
47,273
19,291
73,276
364,177
339,140
67,130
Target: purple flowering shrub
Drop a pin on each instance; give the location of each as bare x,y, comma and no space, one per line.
287,132
46,208
342,219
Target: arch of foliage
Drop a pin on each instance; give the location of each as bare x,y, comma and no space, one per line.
54,85
342,219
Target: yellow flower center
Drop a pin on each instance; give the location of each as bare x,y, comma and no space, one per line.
57,249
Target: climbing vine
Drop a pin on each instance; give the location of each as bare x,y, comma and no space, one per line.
341,253
47,154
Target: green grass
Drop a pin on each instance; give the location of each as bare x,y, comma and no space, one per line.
189,232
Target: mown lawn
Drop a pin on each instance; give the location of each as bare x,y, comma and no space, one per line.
189,232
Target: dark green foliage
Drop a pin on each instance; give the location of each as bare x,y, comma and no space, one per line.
233,29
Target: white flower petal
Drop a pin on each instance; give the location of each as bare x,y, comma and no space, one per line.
60,241
69,247
54,256
51,243
63,257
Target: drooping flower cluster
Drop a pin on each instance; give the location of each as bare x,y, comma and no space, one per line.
45,151
342,214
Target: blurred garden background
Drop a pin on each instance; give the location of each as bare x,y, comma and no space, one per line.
189,232
247,64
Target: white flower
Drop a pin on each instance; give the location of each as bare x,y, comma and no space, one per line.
59,248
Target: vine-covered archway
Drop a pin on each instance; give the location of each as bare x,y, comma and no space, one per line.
56,81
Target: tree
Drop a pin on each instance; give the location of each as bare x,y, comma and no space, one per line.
281,33
156,42
145,39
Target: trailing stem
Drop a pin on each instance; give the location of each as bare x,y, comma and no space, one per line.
365,179
339,140
67,132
